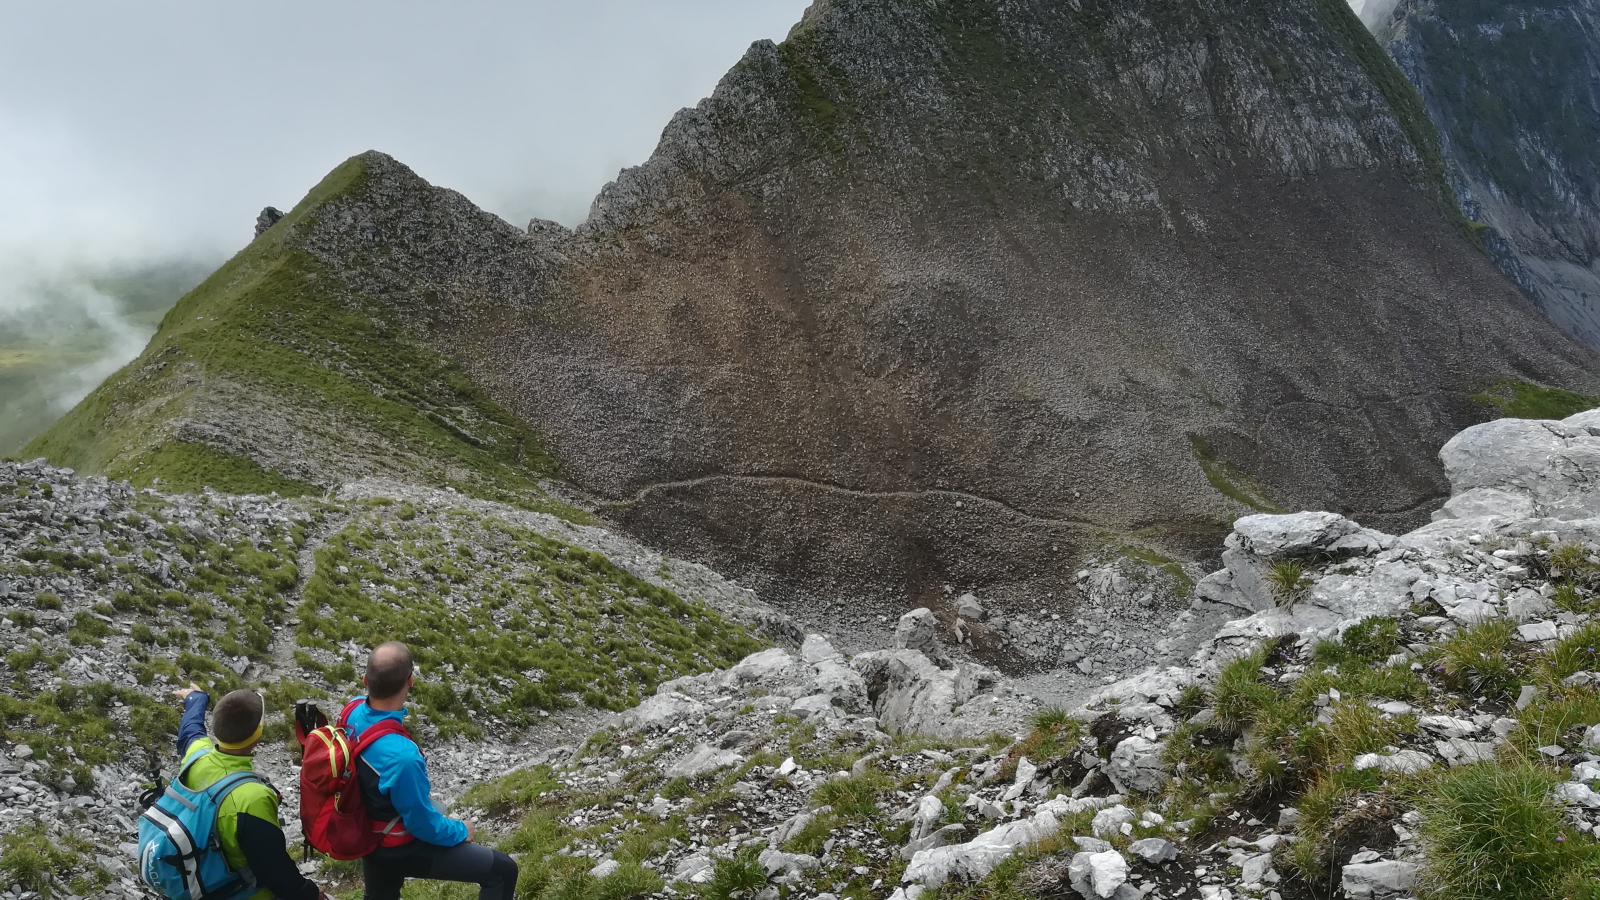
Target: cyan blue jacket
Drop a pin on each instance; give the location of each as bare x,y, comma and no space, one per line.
403,778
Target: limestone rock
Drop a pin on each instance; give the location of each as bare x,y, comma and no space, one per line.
604,868
774,862
1136,766
911,694
1108,822
1404,762
816,648
977,858
1462,752
268,218
702,760
663,709
1448,726
969,607
1376,880
1294,534
1097,875
918,630
942,837
930,812
1154,850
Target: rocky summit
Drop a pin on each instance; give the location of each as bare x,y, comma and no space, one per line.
947,293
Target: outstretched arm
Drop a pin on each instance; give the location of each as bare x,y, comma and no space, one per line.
193,725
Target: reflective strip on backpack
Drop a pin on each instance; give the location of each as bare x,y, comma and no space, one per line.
337,746
173,793
389,829
188,860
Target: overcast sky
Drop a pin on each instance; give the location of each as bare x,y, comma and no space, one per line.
159,126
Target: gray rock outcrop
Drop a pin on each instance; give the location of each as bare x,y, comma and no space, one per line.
268,218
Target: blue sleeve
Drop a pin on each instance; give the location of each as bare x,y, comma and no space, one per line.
405,780
193,725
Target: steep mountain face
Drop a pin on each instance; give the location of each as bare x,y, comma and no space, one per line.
935,294
1514,88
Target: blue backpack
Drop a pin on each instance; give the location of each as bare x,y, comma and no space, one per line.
180,855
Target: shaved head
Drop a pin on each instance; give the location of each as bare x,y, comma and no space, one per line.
388,669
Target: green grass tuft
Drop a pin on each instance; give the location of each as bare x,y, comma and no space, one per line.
1493,831
1478,659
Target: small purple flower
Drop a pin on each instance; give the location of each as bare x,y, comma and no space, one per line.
1561,839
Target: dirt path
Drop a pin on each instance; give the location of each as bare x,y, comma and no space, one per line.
283,642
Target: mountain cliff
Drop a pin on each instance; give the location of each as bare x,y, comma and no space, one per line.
929,294
1515,91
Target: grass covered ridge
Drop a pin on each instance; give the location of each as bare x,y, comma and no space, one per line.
272,375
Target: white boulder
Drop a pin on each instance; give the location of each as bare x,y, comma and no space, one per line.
1294,534
664,709
1136,766
1109,821
909,693
976,858
1097,875
1374,880
917,630
1403,762
703,760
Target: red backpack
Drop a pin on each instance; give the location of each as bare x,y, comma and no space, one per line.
332,814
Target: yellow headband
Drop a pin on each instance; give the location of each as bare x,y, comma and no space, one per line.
224,745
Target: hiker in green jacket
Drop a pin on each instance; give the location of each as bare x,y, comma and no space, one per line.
247,820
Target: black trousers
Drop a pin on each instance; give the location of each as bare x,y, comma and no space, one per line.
386,869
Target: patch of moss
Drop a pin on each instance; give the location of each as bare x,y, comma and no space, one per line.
185,466
1526,400
44,863
1228,479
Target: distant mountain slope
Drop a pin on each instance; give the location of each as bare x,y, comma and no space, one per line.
1515,90
928,295
273,376
64,335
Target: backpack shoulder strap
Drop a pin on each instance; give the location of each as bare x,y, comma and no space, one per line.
344,715
225,786
381,728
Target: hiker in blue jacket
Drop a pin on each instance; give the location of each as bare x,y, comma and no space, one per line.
418,840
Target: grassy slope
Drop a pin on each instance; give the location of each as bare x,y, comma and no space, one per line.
503,621
275,325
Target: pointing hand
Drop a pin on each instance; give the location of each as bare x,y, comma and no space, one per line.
183,693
